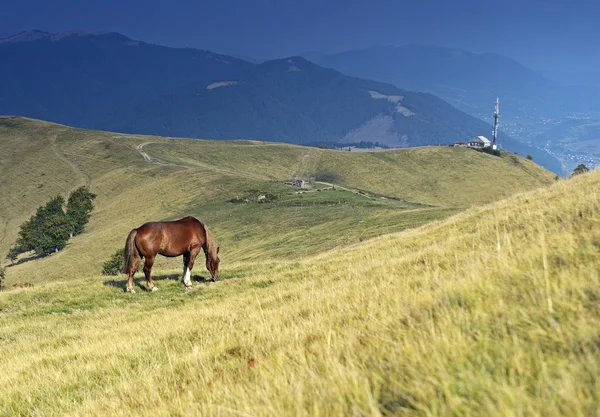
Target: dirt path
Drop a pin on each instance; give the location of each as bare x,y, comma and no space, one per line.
351,190
84,177
148,158
193,164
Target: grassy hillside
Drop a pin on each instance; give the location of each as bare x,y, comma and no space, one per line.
402,189
490,312
451,177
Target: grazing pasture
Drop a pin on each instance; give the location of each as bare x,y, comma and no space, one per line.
354,300
177,177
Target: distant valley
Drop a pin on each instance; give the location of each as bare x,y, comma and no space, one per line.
531,105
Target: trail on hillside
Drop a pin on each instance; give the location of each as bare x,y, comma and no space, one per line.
154,160
84,177
351,190
148,158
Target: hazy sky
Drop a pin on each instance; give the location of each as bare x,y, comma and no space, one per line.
544,34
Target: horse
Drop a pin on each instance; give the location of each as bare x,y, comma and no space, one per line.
174,238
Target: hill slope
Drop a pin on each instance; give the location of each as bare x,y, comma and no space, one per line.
402,189
107,81
491,312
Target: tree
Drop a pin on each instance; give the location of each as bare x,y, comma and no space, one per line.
530,157
46,231
50,228
580,169
79,208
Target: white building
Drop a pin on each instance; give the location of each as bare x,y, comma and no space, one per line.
479,142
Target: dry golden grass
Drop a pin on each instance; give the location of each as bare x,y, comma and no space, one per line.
491,312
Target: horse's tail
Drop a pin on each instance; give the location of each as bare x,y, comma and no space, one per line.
130,251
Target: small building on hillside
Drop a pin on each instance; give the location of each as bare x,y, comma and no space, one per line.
299,183
480,142
461,144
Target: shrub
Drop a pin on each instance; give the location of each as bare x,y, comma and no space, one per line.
114,265
2,276
530,157
580,169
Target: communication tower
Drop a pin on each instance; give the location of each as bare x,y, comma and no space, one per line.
496,117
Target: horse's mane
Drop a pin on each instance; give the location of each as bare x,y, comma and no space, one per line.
211,247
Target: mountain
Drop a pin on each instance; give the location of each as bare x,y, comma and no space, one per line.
80,78
107,81
467,80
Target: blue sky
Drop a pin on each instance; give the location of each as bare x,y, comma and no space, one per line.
555,35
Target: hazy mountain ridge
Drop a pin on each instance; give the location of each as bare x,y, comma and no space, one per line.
467,80
79,79
108,81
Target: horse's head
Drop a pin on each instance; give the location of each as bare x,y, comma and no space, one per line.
212,264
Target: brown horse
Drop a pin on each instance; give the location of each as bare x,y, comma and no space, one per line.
181,237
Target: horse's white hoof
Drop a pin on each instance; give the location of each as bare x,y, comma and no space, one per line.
155,288
188,288
130,290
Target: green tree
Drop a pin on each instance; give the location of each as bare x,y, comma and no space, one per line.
46,231
50,228
580,169
79,209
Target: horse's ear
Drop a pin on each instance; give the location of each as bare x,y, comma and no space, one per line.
218,249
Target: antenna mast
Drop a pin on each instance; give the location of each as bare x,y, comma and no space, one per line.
496,117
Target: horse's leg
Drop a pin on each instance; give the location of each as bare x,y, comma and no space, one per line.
186,278
148,271
132,268
193,253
